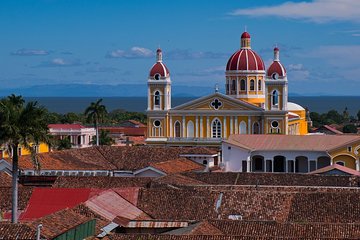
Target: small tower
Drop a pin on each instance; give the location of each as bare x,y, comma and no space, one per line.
159,85
276,85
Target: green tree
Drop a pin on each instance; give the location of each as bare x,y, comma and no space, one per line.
358,115
71,117
95,113
350,128
22,125
63,144
104,139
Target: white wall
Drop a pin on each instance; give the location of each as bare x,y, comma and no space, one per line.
233,157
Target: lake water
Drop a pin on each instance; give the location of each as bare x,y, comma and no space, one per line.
139,104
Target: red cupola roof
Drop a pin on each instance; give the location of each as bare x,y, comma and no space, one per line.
159,69
245,59
276,69
245,35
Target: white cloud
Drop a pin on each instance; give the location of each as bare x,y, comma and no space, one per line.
338,55
319,11
134,52
30,52
295,67
60,62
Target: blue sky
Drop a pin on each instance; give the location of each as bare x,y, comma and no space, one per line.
113,42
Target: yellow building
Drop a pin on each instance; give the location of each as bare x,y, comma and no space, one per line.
256,102
41,148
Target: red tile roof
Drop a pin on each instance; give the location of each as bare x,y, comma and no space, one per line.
59,222
16,231
336,167
178,165
5,179
66,126
101,182
274,142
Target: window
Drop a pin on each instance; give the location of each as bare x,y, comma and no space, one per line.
242,85
341,163
229,148
275,98
349,149
157,98
242,127
259,85
190,129
157,76
252,85
216,129
275,127
157,130
157,123
233,85
256,128
205,162
177,129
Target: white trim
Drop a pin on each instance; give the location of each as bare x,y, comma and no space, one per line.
149,168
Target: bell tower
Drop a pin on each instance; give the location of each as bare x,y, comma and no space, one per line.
159,85
276,85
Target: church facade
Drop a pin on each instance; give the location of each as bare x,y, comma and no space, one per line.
255,102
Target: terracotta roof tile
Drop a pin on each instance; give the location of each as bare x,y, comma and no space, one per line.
336,167
5,197
274,142
178,165
87,212
108,157
101,182
5,179
58,223
16,231
274,179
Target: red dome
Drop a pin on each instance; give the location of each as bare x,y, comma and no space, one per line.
245,60
245,35
278,68
276,49
159,68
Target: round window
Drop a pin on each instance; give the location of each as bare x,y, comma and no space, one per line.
157,76
274,124
157,123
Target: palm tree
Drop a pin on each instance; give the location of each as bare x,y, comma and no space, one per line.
25,126
104,138
95,113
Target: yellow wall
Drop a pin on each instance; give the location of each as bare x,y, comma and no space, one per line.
42,148
349,161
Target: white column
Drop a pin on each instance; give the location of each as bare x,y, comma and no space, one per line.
183,127
236,125
248,164
225,128
308,165
196,126
201,127
149,98
207,127
249,125
358,165
264,165
171,127
231,125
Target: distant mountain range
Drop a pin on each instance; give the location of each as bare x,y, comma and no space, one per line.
91,90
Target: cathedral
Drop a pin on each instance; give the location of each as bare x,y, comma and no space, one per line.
255,102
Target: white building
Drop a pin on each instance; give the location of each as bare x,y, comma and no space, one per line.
79,135
289,153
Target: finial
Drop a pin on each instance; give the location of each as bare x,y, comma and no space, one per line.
216,88
245,28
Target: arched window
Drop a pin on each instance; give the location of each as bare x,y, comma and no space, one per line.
242,127
275,98
157,99
190,129
177,128
157,128
242,85
233,85
256,128
252,85
259,85
216,129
